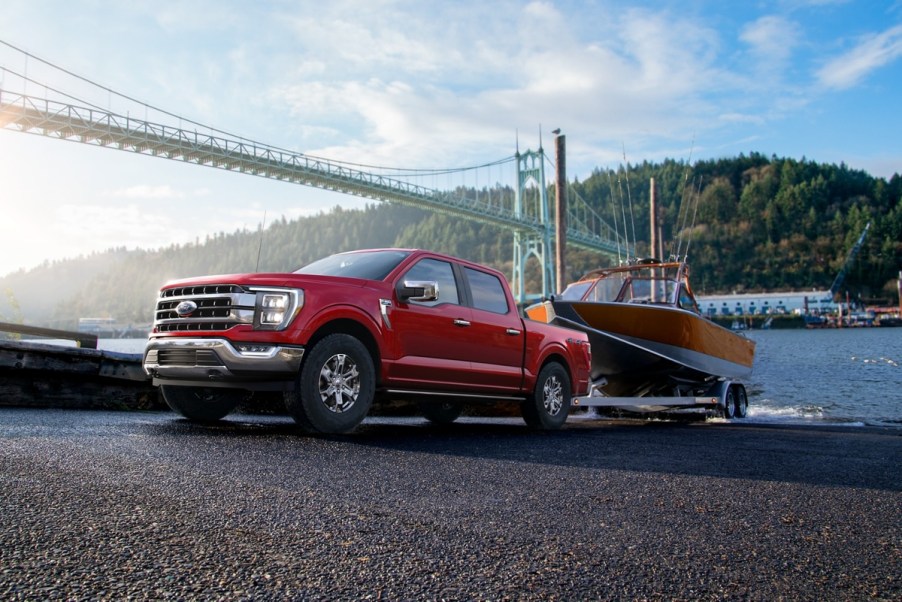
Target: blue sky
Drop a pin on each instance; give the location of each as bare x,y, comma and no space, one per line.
429,84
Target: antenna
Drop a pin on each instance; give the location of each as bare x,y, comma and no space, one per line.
698,195
623,215
629,195
614,214
682,212
260,247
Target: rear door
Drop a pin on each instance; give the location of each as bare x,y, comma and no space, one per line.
496,336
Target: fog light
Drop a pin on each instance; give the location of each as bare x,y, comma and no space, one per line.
249,349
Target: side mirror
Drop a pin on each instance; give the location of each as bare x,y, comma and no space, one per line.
418,290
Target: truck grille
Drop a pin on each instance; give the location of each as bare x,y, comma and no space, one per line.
218,307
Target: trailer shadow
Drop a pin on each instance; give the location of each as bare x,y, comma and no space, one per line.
823,456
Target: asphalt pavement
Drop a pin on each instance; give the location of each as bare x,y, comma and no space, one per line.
99,505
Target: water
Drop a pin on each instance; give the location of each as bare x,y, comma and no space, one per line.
831,377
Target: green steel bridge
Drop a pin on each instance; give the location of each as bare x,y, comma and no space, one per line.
526,212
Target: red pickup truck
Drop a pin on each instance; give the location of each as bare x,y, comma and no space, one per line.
355,327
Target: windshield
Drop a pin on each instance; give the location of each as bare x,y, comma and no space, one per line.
369,265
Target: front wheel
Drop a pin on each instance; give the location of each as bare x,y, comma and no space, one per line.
547,408
202,404
336,386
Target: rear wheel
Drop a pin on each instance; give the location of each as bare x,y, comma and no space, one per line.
441,413
202,404
742,401
336,386
547,408
729,403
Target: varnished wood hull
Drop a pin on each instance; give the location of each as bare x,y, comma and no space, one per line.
638,348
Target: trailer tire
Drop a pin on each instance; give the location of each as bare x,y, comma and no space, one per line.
729,403
335,387
202,404
444,412
548,406
742,401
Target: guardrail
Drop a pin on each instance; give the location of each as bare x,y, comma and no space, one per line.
82,339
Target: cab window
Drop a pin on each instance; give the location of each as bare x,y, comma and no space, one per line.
437,271
487,290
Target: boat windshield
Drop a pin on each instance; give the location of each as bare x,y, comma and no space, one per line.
623,287
641,289
575,291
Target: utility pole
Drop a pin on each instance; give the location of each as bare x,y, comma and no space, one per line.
560,214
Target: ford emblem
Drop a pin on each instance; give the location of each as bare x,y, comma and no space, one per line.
185,308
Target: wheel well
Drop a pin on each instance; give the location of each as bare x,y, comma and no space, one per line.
554,357
353,328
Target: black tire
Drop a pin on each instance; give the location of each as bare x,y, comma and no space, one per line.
341,361
547,408
441,412
728,410
742,401
202,404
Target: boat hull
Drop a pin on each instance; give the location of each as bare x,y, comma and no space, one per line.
639,348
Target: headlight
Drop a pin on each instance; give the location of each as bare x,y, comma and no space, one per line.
275,308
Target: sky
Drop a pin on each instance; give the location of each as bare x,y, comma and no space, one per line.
424,85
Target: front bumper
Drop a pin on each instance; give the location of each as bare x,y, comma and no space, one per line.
212,362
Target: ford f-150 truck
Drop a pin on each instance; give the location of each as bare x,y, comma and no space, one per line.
358,326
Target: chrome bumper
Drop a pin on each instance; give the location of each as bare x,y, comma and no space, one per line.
217,361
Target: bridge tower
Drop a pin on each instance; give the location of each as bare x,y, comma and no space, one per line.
535,243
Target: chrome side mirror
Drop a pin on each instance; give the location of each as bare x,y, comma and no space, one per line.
423,291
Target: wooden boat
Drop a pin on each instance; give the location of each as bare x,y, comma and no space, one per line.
647,335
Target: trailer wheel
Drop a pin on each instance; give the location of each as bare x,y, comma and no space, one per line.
441,412
547,408
202,404
335,387
729,403
742,401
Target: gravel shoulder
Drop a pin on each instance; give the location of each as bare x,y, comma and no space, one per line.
109,505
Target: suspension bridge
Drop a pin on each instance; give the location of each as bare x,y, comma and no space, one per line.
60,115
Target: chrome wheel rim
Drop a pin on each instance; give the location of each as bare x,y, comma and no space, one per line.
553,396
339,383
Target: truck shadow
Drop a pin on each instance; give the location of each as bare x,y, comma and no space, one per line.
824,456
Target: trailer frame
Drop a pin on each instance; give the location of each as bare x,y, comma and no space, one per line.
726,397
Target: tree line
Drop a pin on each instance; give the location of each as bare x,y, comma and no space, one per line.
750,223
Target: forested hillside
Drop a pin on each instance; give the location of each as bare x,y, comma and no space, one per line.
770,224
751,223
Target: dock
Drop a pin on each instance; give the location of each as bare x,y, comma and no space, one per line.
38,374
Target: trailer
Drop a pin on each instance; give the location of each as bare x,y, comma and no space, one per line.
722,397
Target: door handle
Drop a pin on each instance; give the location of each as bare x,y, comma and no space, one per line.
512,331
461,323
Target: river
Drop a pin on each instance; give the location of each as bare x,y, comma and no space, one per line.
847,376
832,376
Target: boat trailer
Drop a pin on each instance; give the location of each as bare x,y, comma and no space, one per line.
723,397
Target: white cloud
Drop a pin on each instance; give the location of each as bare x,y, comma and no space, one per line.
871,53
771,39
490,76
